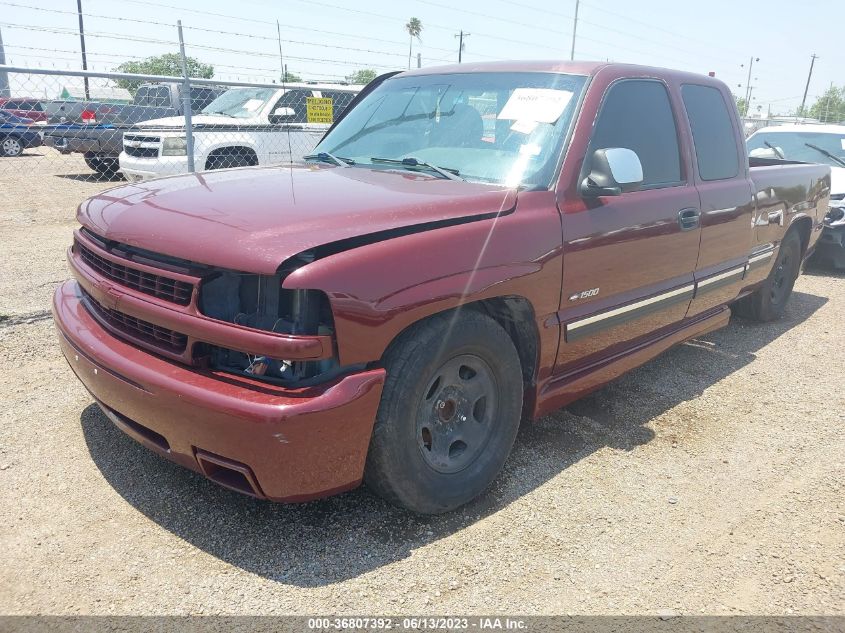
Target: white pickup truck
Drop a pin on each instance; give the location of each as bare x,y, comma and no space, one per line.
242,127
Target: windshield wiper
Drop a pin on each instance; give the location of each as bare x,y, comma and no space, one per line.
330,158
231,116
775,150
446,172
826,153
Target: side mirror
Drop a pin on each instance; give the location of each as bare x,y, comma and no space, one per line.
281,113
613,171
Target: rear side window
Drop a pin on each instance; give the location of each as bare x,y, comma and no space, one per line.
153,96
712,132
201,97
636,114
295,99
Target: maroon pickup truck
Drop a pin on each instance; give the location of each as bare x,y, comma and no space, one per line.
467,247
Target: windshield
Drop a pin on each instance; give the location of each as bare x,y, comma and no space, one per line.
241,103
799,146
505,128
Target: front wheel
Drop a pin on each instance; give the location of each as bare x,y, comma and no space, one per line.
769,301
449,413
12,147
105,166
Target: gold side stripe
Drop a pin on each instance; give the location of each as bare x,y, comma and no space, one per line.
629,308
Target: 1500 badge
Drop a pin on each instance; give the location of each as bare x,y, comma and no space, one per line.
592,292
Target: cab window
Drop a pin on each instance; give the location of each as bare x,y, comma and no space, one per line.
636,114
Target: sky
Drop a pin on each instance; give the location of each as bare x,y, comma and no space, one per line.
328,39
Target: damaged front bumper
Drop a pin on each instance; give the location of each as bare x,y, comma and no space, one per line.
830,248
268,441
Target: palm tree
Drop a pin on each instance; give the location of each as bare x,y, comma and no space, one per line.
414,28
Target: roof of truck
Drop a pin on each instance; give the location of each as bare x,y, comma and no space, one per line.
556,66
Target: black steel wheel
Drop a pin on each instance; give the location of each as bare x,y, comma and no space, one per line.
768,302
455,415
449,412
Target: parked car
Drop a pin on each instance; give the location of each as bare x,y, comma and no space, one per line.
823,144
17,134
32,109
95,129
390,310
243,127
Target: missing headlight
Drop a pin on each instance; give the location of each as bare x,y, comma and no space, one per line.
260,302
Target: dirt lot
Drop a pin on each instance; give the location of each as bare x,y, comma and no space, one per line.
708,481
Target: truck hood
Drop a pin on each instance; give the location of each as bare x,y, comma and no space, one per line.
253,219
178,122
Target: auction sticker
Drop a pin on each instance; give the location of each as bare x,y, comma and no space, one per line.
542,105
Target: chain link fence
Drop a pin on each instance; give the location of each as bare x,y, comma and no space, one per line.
112,126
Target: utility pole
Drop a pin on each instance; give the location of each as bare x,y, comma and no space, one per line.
4,76
82,47
186,100
574,30
419,60
461,37
281,57
748,81
807,87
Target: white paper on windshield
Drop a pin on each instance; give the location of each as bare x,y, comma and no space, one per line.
541,105
530,149
842,143
253,104
524,126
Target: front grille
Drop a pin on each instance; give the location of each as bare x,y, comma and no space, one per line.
152,284
141,152
141,146
143,331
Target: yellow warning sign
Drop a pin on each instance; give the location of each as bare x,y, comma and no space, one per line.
319,109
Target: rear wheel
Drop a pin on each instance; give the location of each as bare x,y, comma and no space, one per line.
449,413
769,301
11,147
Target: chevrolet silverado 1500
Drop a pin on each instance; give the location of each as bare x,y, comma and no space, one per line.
467,247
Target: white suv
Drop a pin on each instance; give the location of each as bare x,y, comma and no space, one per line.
242,127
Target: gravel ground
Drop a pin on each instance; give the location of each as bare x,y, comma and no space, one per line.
708,481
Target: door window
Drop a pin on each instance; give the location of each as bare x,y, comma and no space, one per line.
637,114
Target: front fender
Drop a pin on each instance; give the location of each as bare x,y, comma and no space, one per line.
379,289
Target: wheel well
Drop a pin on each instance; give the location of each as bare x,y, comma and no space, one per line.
516,316
803,226
222,152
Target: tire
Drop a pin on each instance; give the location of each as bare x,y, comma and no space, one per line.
449,413
226,161
769,301
105,166
11,147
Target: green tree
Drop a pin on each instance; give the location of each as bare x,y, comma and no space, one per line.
414,28
830,107
168,64
290,77
362,77
741,105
